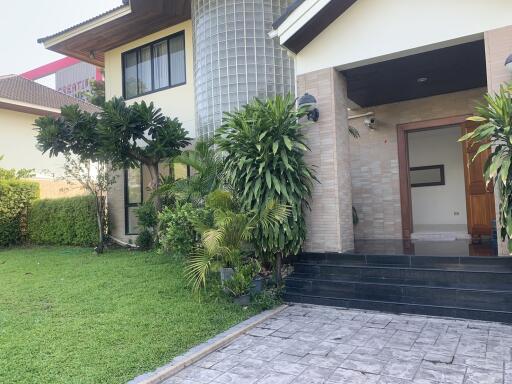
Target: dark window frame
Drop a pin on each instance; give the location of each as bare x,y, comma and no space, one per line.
127,204
433,184
138,50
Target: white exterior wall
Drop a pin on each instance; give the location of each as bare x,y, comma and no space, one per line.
176,101
376,30
440,204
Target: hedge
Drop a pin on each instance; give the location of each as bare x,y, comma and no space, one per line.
65,221
15,196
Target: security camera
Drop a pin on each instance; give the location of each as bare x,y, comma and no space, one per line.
370,122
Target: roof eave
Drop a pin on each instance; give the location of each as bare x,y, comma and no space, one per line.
61,37
306,20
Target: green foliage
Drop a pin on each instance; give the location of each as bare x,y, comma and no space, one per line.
147,215
177,234
239,284
145,240
122,135
148,221
264,161
15,197
226,241
96,95
65,221
495,132
207,165
268,299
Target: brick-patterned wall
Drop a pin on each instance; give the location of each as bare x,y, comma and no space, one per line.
330,220
374,159
498,45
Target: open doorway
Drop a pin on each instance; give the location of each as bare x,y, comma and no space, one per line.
436,172
443,194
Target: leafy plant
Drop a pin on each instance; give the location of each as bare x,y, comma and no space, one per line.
148,221
269,298
122,135
177,234
227,240
65,221
264,161
239,284
206,177
96,178
495,133
145,240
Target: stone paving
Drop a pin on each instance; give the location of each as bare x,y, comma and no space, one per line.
323,345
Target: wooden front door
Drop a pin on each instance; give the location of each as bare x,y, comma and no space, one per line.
479,198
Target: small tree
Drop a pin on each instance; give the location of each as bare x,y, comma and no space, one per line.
264,162
121,135
495,133
96,179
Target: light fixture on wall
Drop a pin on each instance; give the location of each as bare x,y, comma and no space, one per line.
308,100
508,63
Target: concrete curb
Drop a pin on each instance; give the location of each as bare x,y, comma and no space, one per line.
198,352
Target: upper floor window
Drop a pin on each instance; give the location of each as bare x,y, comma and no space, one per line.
154,66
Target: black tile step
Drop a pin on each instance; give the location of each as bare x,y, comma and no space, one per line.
496,280
396,307
480,263
403,293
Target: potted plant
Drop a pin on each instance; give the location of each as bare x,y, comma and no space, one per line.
239,286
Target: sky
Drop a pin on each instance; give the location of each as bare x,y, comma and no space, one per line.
22,22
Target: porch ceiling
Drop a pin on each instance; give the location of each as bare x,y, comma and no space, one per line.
447,70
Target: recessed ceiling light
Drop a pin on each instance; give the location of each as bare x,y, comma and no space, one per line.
422,79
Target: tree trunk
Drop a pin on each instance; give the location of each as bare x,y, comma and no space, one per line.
100,216
155,184
278,266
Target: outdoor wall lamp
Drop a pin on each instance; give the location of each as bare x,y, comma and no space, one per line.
308,100
508,63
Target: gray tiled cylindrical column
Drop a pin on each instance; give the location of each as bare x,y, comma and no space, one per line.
234,59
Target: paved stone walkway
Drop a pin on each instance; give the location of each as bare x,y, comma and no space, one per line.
324,345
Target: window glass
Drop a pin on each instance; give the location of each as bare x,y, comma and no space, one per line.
132,221
145,70
161,65
130,74
134,187
177,53
155,66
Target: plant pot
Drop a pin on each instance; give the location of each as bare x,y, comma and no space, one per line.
226,274
243,300
257,285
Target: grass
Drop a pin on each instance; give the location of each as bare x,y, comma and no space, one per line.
69,316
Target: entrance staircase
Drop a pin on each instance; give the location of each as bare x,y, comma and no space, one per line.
451,286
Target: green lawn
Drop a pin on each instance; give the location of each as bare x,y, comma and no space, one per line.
69,316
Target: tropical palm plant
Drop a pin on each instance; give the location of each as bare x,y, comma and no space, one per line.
227,242
207,167
264,161
495,132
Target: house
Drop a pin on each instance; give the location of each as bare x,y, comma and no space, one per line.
21,102
194,59
405,74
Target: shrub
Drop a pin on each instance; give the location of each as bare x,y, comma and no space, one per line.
148,221
66,221
177,233
15,197
145,240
